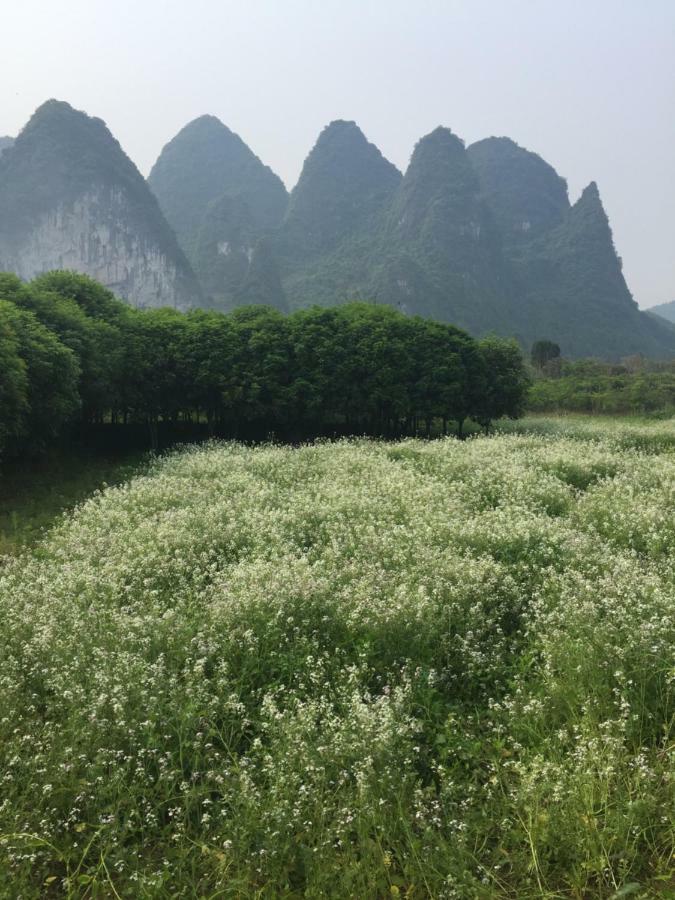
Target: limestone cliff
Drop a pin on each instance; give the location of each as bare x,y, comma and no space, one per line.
71,199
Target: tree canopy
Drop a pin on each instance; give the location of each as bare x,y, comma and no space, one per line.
73,354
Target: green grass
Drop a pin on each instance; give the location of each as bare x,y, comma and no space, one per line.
650,435
35,493
356,669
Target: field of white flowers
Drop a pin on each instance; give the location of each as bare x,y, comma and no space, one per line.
423,669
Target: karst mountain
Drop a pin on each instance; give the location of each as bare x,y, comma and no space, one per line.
665,311
70,198
482,236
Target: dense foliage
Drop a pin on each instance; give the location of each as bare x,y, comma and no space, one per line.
70,347
544,352
635,387
357,669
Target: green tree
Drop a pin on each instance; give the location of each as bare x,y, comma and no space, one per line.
14,387
543,352
506,381
95,300
52,372
97,344
258,393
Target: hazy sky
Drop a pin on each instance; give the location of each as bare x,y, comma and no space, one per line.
588,84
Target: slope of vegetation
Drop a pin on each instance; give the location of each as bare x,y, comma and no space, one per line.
205,162
665,310
348,670
635,388
35,493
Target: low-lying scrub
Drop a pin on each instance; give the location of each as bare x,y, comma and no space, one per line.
348,670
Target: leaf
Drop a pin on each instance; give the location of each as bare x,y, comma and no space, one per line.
631,888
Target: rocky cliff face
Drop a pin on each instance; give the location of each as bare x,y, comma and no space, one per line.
70,198
96,234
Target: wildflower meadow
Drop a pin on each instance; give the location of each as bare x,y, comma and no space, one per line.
351,670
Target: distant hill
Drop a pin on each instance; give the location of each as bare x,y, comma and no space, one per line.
439,247
5,144
71,199
525,194
482,236
220,200
344,185
665,310
567,275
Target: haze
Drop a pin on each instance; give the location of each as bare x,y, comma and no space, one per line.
590,87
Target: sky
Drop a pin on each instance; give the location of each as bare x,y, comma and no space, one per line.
587,84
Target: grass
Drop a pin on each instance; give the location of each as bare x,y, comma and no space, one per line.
35,493
630,432
360,669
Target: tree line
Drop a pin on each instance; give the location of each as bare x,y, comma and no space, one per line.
635,385
72,354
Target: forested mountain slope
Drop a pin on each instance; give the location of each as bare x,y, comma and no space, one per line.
221,200
665,310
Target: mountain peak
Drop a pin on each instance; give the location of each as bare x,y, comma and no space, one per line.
61,153
525,194
439,172
342,131
440,148
664,310
204,162
342,125
66,124
342,136
441,139
590,194
590,210
54,107
71,198
344,182
206,126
